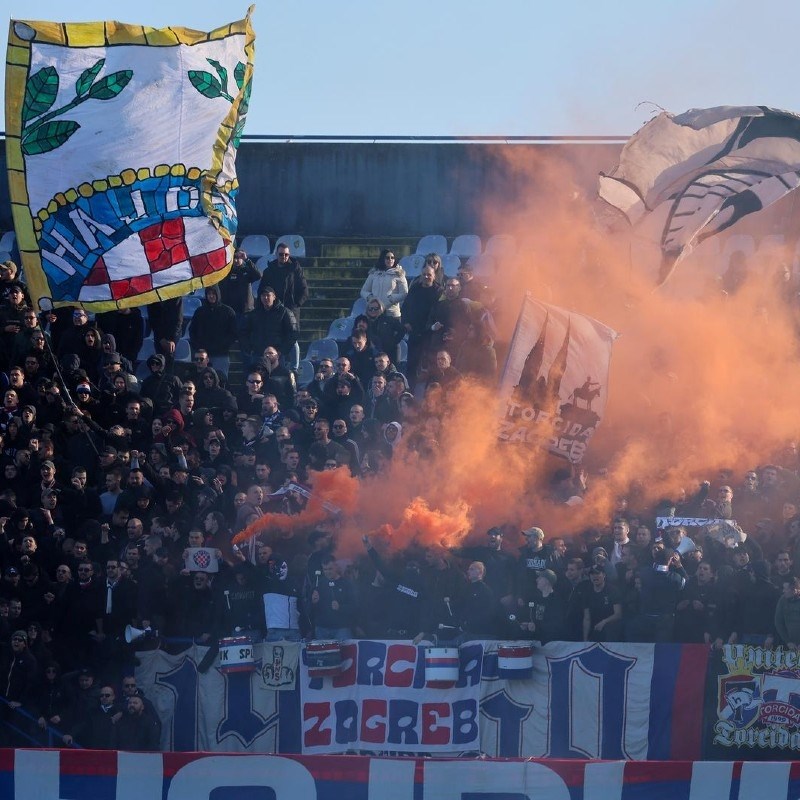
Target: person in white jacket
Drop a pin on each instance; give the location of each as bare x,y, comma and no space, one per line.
387,282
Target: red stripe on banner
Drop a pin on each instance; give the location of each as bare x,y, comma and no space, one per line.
6,760
92,762
687,729
657,771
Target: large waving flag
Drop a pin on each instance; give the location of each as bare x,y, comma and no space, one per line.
555,381
121,146
700,172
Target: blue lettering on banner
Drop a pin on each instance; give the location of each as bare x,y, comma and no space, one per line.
241,720
611,671
508,717
182,682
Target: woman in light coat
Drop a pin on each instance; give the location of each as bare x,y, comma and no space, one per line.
387,282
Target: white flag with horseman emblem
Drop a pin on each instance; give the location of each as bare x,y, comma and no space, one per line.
121,145
684,178
555,381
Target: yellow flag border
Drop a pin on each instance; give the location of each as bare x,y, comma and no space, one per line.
103,34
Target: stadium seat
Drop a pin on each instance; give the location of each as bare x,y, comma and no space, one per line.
295,242
322,348
142,372
191,302
255,246
183,350
263,263
484,265
433,243
413,264
466,245
148,349
401,365
450,264
340,329
501,245
305,373
359,307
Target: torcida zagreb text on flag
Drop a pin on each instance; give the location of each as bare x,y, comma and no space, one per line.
684,178
555,381
116,204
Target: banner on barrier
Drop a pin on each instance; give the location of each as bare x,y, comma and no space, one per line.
646,702
155,776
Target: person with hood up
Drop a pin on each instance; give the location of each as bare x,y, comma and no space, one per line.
160,388
108,345
209,393
127,327
387,282
271,323
213,329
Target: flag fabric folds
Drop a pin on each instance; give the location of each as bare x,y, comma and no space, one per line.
121,146
555,380
700,172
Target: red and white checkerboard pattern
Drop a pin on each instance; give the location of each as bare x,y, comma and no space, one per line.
168,252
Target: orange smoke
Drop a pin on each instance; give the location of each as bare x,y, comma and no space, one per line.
699,381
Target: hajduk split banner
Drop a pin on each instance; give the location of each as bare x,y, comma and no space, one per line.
555,381
121,145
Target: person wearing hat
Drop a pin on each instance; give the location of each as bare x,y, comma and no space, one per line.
602,612
533,558
270,323
500,566
160,387
545,618
18,672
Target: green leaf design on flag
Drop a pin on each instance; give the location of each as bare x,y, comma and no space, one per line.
48,136
111,85
237,133
238,74
40,93
205,83
221,71
245,104
87,78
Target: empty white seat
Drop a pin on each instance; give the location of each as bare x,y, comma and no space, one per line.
340,329
7,241
403,355
295,242
255,246
450,264
466,245
190,304
322,348
148,349
359,307
413,264
484,265
305,373
183,351
432,243
501,245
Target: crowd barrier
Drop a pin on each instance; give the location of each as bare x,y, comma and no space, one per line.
49,774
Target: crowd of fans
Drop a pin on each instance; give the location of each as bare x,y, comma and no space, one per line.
112,484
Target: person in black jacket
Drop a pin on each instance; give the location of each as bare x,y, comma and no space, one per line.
423,295
406,595
166,320
127,327
271,323
237,291
479,611
285,275
213,329
136,730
